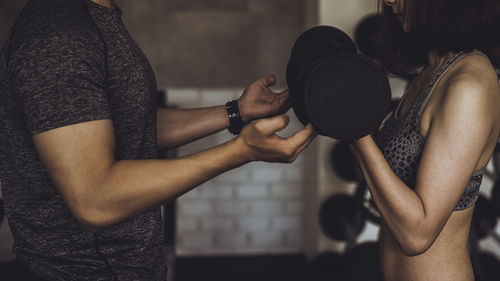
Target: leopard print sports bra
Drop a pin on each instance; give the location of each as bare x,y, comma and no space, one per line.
402,144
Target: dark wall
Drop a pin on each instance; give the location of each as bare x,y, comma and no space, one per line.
8,13
214,43
206,43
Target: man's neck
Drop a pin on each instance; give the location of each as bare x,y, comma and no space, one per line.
105,3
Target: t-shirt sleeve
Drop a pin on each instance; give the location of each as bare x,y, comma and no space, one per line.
60,79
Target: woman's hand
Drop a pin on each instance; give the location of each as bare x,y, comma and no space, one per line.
258,101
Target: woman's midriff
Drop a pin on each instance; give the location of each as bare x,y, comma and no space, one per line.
446,260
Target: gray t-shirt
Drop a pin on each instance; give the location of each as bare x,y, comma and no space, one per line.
66,62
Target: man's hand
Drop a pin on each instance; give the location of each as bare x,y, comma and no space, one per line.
257,101
263,144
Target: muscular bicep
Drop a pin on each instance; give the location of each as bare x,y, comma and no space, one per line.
76,157
460,129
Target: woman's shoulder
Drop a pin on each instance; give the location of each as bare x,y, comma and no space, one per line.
471,90
473,75
474,67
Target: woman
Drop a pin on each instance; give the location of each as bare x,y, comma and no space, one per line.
425,166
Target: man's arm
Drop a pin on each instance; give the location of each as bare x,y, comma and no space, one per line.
101,191
176,127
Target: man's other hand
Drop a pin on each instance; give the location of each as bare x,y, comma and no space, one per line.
258,101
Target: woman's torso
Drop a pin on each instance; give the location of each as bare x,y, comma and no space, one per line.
448,257
446,260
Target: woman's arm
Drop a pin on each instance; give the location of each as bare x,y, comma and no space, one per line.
462,131
176,127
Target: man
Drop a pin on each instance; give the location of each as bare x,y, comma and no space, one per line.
79,135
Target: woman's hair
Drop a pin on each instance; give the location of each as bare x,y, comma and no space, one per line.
441,25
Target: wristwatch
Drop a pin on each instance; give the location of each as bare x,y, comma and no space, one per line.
235,121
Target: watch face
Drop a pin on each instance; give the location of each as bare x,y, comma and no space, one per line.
236,124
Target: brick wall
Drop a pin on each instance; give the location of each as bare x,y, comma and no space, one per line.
256,208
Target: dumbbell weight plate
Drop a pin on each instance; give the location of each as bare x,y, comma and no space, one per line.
300,67
347,96
297,93
343,163
320,33
310,55
314,43
341,218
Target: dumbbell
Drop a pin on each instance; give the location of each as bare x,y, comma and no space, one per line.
345,95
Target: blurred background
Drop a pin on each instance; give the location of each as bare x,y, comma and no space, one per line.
310,220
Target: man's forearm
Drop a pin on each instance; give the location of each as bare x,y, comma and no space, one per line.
176,127
131,187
